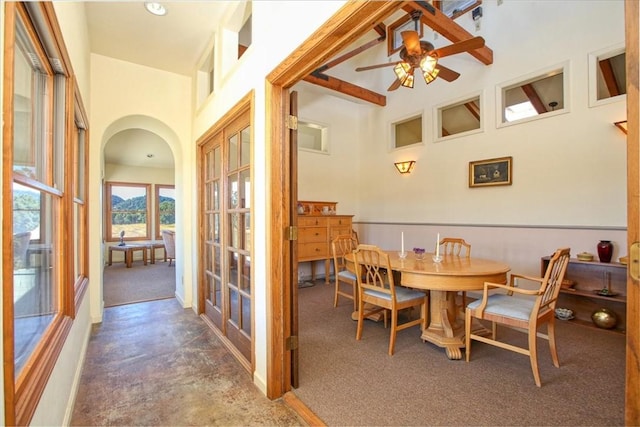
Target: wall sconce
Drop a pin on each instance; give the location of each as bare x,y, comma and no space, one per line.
405,167
622,125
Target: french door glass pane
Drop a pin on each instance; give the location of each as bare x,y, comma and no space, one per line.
233,306
233,191
216,195
247,232
245,189
232,273
217,162
208,258
217,261
217,292
234,230
245,276
246,315
244,148
216,228
208,166
233,153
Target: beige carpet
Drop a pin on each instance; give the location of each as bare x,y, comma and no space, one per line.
139,283
355,383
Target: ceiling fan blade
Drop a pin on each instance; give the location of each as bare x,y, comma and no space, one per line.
411,41
373,67
395,85
447,73
463,46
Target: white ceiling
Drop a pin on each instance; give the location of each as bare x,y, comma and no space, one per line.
174,42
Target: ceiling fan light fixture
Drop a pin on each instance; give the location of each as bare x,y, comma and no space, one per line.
404,72
428,63
429,77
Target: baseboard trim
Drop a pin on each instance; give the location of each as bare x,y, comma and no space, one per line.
303,411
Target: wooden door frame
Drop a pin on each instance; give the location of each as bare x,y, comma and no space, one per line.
632,47
348,24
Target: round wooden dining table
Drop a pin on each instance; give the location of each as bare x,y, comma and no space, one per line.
444,280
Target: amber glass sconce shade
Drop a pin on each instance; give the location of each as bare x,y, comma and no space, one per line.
405,167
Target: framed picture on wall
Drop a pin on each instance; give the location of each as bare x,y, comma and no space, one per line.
489,172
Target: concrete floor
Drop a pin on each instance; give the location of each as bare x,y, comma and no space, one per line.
155,363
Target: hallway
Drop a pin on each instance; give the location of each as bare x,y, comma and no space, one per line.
155,363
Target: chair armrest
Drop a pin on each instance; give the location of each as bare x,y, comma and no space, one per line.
509,288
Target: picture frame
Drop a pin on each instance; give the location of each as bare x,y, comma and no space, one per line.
394,37
491,172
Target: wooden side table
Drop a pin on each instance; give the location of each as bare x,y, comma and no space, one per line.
128,253
152,251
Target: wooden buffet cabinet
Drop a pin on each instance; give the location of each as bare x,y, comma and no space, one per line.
589,277
316,230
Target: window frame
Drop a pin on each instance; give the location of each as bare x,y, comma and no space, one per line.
38,20
594,59
405,119
108,211
550,71
156,205
438,109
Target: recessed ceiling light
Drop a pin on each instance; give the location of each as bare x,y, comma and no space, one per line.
155,8
149,155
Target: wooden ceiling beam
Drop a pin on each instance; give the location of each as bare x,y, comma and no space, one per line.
346,88
534,98
609,77
445,26
474,109
351,54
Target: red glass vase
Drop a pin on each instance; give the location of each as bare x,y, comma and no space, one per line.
605,250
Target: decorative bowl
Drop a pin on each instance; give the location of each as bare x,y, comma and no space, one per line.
419,253
604,318
585,256
624,260
564,313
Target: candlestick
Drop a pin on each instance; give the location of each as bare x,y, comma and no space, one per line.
438,246
402,242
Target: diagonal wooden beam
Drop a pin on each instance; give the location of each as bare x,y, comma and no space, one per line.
534,98
473,108
609,77
442,24
351,54
347,88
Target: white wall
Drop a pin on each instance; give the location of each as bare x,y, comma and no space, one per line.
569,170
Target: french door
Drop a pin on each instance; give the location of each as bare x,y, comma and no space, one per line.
225,218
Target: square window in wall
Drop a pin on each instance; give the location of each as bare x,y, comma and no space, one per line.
458,118
607,76
544,93
406,132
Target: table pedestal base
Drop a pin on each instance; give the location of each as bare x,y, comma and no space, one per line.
445,328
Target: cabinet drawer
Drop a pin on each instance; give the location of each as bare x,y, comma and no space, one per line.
312,221
340,221
313,250
337,231
312,234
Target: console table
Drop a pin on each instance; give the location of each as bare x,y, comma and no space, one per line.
128,253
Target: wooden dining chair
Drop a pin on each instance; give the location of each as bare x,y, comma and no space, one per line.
526,311
457,247
340,246
377,292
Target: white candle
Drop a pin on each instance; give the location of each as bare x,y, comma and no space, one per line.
402,242
438,246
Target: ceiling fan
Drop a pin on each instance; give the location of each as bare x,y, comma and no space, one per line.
421,55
